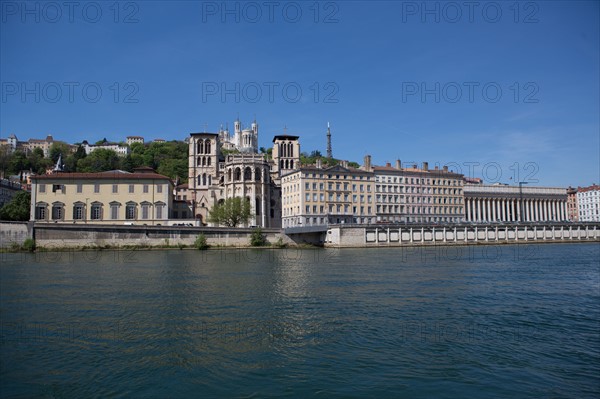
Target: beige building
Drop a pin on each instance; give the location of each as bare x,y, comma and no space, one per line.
313,195
114,197
134,139
417,195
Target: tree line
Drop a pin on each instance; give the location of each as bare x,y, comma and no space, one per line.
169,159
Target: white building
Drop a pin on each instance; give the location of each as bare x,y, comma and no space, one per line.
119,149
134,139
588,201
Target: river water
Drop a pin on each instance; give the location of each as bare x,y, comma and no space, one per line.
519,321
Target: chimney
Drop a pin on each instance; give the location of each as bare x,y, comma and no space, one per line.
425,165
387,164
445,168
367,165
344,164
319,165
398,164
437,167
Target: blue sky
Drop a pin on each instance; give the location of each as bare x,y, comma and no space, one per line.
505,91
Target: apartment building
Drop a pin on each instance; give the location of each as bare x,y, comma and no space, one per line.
114,197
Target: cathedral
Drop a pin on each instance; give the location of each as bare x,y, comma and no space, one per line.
223,166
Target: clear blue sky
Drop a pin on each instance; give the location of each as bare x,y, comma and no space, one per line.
371,69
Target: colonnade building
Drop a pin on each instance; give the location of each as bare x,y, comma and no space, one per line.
502,203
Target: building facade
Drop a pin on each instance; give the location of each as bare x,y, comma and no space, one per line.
417,195
572,205
115,197
8,189
503,203
134,139
313,195
242,172
588,200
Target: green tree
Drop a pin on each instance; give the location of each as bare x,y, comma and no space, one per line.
57,149
231,212
18,208
99,160
71,160
258,239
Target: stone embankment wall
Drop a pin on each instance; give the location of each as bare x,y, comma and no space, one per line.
393,235
14,233
74,236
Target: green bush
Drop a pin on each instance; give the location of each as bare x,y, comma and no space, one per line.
279,243
29,245
258,239
200,242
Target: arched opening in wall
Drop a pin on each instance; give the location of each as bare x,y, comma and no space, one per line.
221,201
199,147
287,164
199,183
247,174
257,206
291,150
208,161
209,180
199,161
281,164
257,174
291,164
221,180
203,161
229,175
237,175
204,179
207,146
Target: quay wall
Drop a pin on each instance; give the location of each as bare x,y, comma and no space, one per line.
394,235
14,233
76,236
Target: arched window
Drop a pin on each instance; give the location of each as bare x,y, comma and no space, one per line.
237,176
291,164
208,161
229,175
283,149
200,149
209,180
257,208
287,164
204,179
257,174
207,146
281,167
247,174
198,161
291,150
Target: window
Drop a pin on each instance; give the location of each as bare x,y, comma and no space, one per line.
130,211
42,188
114,211
145,189
96,188
79,188
115,189
78,211
40,212
159,211
159,188
56,187
145,211
96,212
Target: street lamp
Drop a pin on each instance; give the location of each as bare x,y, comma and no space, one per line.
521,199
